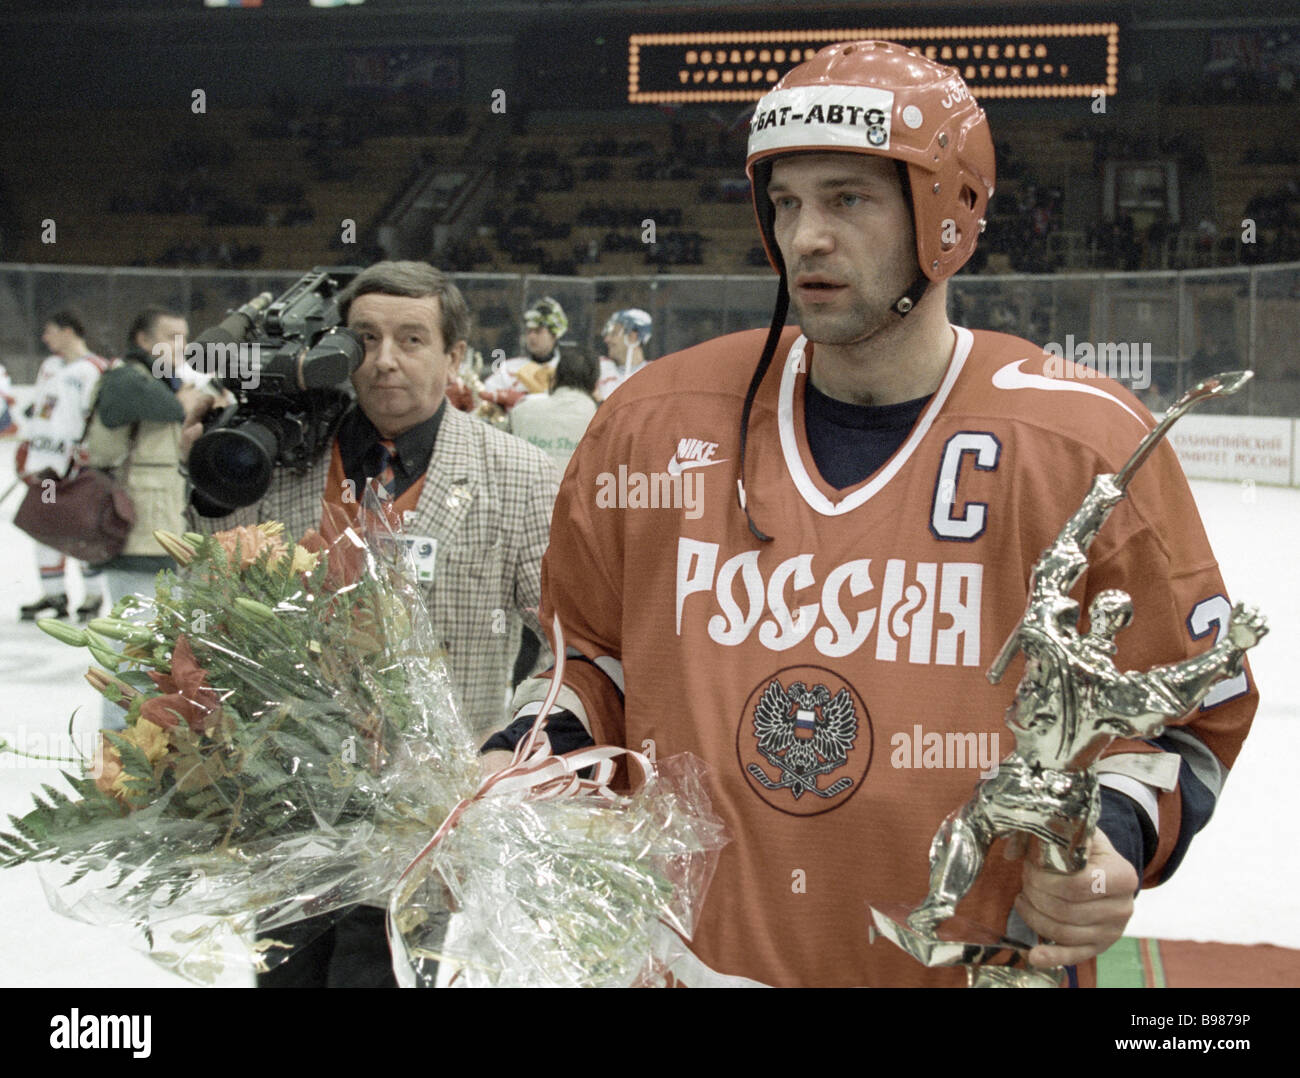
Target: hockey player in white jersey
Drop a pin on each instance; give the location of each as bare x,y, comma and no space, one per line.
7,424
626,334
56,421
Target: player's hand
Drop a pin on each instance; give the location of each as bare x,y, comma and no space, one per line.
1082,913
1247,627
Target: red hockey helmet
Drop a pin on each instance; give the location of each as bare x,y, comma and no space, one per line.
880,98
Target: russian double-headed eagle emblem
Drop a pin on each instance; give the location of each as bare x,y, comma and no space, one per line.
804,733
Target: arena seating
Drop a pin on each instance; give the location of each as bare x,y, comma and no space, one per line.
150,164
575,199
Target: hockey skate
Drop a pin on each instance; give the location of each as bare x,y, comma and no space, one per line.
89,608
57,605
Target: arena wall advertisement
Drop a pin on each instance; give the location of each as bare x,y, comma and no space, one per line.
1237,448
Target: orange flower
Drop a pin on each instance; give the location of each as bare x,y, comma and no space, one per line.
247,544
108,769
311,541
186,694
110,775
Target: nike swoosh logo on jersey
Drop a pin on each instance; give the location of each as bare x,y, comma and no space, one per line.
676,467
1012,377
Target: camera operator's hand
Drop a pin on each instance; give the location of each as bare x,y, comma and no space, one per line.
189,435
196,403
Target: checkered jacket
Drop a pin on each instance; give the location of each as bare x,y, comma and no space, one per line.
487,501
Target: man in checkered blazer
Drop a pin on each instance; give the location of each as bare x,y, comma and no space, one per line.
482,497
486,496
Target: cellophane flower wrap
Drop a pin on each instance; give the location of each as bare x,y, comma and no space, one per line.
291,738
292,743
556,879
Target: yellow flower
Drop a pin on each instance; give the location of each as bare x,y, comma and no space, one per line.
304,561
109,774
151,738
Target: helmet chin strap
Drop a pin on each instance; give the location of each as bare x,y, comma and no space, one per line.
764,362
908,300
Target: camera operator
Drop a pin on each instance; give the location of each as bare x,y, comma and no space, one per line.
482,497
140,408
478,498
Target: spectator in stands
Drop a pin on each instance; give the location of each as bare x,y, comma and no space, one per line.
56,422
626,334
141,407
555,421
1215,354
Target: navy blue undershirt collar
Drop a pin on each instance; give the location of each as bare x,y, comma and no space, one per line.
849,442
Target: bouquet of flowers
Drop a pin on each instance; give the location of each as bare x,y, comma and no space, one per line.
291,741
290,737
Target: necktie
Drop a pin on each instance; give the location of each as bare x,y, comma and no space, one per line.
386,477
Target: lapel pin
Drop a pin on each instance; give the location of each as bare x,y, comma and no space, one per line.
459,493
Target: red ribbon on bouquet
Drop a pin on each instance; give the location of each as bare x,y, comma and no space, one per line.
540,774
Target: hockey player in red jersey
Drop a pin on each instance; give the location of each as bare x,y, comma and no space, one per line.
796,554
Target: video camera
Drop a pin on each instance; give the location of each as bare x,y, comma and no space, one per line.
285,361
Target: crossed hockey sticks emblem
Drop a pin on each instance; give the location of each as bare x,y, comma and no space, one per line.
799,784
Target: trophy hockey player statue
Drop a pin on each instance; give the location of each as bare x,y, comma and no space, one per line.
1070,704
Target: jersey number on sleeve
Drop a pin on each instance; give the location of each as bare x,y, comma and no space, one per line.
1215,613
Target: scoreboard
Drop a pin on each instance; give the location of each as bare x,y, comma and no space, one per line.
1051,60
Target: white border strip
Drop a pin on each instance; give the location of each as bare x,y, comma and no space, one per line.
790,445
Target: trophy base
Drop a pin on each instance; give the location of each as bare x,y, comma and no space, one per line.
991,960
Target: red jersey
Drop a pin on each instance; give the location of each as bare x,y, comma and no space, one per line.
834,677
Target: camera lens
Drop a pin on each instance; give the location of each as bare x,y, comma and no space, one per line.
232,465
